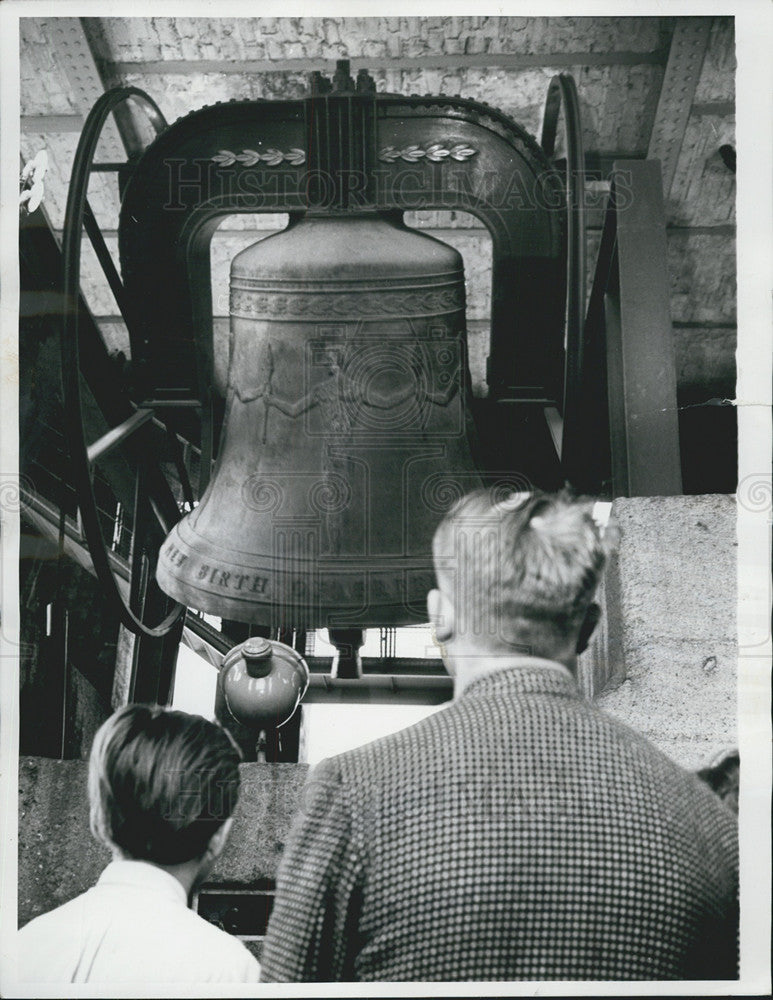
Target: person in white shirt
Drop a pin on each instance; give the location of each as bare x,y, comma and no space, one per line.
162,787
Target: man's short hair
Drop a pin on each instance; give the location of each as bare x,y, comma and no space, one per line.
521,571
161,783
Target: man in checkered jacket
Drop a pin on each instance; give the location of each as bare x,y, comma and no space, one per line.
519,833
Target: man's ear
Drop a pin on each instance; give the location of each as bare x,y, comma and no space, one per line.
589,623
218,839
441,615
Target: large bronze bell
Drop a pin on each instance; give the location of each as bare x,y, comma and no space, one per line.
347,430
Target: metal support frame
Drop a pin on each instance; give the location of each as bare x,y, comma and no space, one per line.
408,152
74,53
629,440
154,661
70,38
641,369
154,657
637,322
685,61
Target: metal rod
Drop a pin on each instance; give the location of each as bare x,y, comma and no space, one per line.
117,435
380,689
556,427
65,634
156,404
391,682
562,93
94,234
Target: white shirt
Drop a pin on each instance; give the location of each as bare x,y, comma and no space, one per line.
133,926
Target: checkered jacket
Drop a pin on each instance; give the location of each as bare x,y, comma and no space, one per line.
518,834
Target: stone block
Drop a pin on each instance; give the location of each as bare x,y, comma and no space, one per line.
58,857
703,192
705,355
702,268
671,618
270,797
441,219
225,245
115,335
478,346
94,284
177,94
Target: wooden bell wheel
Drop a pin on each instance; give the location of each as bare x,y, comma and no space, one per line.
562,96
156,509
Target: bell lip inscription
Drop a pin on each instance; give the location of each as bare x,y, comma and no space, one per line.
192,546
390,613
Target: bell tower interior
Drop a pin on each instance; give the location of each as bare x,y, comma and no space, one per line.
293,287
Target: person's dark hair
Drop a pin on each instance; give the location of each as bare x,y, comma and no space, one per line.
161,783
